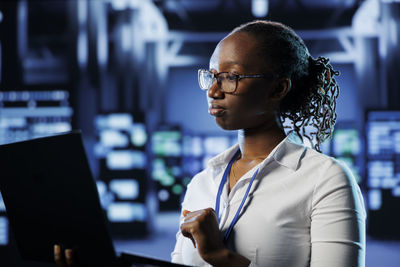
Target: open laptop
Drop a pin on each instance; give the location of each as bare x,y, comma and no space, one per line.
51,198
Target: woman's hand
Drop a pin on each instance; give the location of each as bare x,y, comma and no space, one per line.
202,228
64,258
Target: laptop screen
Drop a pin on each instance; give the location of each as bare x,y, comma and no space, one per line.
51,198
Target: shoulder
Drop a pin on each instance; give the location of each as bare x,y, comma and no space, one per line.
324,175
200,192
333,181
322,165
303,160
201,179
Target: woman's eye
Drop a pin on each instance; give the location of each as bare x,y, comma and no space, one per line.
231,77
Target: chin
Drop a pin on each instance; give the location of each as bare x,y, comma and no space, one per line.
225,125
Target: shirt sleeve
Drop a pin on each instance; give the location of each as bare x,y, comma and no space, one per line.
253,264
337,220
176,255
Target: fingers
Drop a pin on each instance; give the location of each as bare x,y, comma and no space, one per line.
58,256
185,232
202,228
70,257
66,259
190,236
185,212
190,220
191,216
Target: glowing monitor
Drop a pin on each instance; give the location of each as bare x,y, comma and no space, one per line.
214,145
346,142
126,160
383,172
167,143
125,188
30,114
113,138
114,121
126,212
383,133
346,145
122,179
192,146
163,173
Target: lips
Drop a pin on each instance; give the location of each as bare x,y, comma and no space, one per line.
216,110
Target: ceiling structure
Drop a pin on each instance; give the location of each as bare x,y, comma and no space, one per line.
223,15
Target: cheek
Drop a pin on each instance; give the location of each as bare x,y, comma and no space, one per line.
209,99
243,115
257,110
253,106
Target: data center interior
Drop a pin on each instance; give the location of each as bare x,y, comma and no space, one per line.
125,73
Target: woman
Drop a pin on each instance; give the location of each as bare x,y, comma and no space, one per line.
270,201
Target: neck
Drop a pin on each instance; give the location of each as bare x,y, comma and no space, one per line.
257,143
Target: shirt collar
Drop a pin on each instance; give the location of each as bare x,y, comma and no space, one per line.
222,159
287,153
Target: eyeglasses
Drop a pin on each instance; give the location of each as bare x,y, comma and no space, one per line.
226,81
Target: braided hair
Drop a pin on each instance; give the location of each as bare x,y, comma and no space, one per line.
311,101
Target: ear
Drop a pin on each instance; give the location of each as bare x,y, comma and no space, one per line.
282,88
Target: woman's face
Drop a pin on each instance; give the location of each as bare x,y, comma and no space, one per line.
251,105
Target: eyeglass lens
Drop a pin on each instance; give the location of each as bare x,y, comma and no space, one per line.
206,79
226,81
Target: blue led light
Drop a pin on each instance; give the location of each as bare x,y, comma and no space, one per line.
3,231
375,199
138,134
126,212
125,188
2,206
126,160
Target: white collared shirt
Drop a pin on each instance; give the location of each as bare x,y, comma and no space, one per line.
304,209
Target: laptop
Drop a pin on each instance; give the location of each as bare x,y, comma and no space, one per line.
51,198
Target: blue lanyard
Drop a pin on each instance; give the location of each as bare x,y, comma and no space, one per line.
221,187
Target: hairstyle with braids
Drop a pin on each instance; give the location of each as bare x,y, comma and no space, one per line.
311,100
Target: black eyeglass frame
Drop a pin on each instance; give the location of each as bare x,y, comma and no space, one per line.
238,78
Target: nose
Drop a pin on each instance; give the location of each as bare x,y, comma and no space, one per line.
215,91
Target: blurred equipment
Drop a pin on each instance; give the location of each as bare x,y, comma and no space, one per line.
177,157
122,184
30,114
383,173
166,170
390,52
347,146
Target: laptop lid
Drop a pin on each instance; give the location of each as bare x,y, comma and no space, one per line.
51,198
